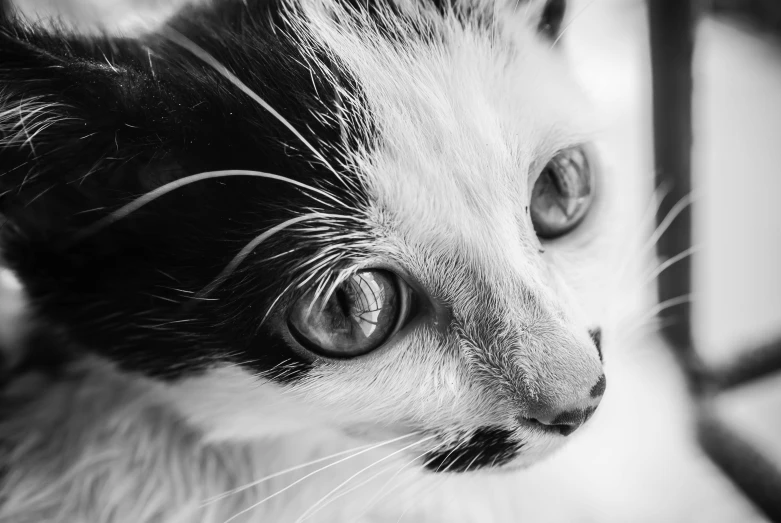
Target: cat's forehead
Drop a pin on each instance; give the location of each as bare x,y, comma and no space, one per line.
460,123
449,84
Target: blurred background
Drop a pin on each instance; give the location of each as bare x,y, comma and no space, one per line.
735,256
737,220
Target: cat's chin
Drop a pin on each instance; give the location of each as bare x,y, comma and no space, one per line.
519,464
490,449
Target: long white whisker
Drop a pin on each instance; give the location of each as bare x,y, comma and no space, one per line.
669,263
274,303
666,304
149,197
382,490
572,21
351,489
479,455
257,482
423,493
638,252
657,309
676,209
311,511
247,250
636,249
277,493
202,54
458,446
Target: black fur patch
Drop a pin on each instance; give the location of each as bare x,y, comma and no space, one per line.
488,447
596,337
599,387
126,116
552,18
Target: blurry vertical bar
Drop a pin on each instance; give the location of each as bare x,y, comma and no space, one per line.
672,44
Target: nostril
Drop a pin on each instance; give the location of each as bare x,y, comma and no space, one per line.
565,423
565,429
568,422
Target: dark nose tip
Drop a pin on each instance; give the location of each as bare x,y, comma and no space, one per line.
567,420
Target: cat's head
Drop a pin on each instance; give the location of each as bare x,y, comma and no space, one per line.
374,218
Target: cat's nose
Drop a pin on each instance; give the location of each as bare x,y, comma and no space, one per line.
567,419
564,422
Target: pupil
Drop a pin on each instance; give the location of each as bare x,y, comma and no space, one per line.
358,316
343,301
555,179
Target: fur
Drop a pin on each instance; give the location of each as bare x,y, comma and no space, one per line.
416,153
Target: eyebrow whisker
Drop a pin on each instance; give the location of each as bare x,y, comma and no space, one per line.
149,197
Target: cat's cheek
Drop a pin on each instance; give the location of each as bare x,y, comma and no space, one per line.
229,403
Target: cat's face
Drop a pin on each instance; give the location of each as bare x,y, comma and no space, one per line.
417,274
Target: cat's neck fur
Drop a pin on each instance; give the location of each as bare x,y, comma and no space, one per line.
94,445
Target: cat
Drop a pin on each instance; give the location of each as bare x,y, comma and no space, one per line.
275,253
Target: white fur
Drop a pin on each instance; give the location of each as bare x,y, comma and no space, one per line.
464,126
21,122
132,17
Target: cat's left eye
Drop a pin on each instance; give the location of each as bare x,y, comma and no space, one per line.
563,194
361,314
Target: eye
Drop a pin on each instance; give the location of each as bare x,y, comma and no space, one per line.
563,194
360,315
552,17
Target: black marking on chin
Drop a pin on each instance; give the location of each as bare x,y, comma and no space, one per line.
596,337
487,447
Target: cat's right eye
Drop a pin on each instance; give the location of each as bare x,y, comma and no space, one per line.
563,194
361,314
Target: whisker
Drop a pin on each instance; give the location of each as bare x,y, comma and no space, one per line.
277,493
479,455
182,41
636,253
636,249
420,494
309,512
350,490
656,310
673,213
149,197
257,482
458,446
669,263
338,280
274,304
672,302
377,497
572,21
247,250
